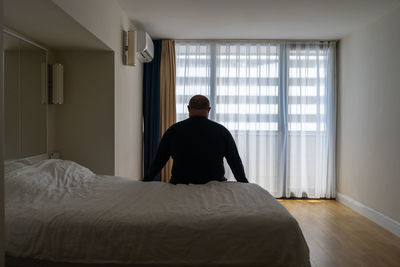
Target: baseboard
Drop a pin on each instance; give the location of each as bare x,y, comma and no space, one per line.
375,216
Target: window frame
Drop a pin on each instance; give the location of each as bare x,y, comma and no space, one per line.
283,116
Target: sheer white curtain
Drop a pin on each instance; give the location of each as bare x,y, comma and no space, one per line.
279,102
193,71
311,119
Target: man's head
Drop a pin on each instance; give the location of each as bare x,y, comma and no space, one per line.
199,106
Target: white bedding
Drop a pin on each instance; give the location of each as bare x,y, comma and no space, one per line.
60,211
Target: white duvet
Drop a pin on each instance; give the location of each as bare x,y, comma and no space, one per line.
60,211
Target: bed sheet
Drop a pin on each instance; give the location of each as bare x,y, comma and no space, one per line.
57,210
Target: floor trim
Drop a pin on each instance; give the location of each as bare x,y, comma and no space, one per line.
375,216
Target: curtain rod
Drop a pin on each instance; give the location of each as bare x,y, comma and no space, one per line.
258,40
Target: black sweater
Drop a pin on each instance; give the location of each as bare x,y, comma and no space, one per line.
197,146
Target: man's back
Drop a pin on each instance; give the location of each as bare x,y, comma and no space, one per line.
198,146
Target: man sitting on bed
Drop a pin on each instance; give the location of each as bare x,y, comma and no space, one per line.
197,146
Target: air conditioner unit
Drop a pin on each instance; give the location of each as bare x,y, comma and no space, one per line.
144,47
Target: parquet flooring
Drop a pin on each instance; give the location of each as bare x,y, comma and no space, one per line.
338,236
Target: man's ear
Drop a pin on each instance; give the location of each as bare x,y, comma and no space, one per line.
209,108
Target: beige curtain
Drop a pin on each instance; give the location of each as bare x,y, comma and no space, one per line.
167,95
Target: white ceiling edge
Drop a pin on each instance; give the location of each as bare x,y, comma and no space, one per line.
45,23
254,19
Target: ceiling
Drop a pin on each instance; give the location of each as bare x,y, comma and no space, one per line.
45,23
254,19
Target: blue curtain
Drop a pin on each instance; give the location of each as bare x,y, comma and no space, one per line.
151,108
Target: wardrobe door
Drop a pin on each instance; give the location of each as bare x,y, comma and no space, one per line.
12,114
33,100
25,98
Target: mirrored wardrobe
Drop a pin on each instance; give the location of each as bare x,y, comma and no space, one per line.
25,97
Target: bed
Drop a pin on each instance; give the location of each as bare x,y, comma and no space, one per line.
58,213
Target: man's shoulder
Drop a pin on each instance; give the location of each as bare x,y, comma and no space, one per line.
218,126
176,126
205,122
172,127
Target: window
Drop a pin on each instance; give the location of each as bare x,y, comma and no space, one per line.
193,69
241,82
278,101
306,88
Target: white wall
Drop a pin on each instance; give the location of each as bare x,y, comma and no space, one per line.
106,20
369,116
84,124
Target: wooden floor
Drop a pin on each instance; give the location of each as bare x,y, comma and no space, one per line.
338,236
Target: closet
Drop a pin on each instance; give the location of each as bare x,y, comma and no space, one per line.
25,97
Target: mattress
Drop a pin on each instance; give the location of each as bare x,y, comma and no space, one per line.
59,211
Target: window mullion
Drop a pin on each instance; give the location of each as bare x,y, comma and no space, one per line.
213,80
283,89
283,118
